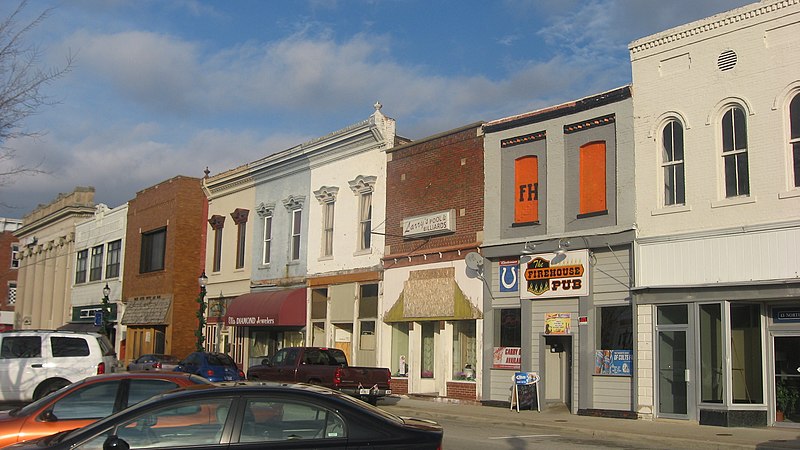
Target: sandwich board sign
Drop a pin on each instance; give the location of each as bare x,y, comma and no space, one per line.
525,394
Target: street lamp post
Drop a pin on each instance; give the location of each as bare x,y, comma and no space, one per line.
106,310
218,310
201,312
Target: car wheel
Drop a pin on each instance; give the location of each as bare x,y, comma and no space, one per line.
48,387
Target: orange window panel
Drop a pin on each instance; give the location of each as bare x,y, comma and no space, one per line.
526,177
593,177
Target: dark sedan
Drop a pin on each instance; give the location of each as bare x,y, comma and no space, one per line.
250,415
154,361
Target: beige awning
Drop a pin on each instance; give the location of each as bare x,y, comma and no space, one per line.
432,294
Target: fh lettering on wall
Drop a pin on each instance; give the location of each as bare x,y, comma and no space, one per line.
568,278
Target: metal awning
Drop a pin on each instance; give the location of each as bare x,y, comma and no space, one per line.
270,308
432,294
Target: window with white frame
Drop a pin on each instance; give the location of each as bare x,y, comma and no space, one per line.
327,229
294,205
96,263
672,163
267,249
363,186
14,256
297,216
794,138
326,196
734,152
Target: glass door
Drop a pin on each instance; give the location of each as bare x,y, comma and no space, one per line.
787,380
674,375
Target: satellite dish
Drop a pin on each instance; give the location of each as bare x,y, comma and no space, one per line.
474,260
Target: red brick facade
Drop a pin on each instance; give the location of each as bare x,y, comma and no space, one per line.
180,206
8,273
435,174
464,390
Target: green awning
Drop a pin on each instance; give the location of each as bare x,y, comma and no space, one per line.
429,295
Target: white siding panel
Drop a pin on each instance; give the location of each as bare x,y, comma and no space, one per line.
749,256
612,393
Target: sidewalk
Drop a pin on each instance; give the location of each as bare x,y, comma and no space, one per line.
660,433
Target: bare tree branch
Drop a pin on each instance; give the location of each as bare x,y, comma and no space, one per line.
21,81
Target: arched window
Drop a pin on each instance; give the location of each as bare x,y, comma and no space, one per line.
794,138
734,152
672,163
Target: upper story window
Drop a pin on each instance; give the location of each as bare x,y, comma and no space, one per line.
266,212
363,187
217,223
593,179
80,266
154,245
672,163
14,255
294,204
113,257
526,180
794,138
734,152
96,264
239,217
297,220
326,196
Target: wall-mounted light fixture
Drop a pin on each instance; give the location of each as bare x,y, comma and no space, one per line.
527,249
561,251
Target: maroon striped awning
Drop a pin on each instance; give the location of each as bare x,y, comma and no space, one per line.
269,308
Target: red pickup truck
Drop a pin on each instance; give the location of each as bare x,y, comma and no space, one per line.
325,367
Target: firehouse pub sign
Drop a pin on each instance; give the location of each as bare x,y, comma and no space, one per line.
568,278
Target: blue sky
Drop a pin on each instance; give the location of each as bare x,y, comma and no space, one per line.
167,87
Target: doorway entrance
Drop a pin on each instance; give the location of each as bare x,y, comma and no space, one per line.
787,380
557,376
673,355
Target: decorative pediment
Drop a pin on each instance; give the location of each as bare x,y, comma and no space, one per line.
265,209
326,194
294,202
240,215
217,222
363,184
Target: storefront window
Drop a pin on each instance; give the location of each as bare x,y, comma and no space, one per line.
399,364
428,349
614,355
711,353
464,358
746,364
507,339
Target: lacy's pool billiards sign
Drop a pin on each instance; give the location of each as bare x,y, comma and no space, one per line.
567,278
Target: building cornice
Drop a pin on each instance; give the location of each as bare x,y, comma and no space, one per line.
713,23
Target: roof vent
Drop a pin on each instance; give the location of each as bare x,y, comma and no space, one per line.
726,60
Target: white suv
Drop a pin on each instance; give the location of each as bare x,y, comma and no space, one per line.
34,363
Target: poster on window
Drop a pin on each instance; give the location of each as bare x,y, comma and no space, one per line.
549,275
613,362
507,358
557,323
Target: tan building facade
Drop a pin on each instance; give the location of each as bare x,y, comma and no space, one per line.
46,260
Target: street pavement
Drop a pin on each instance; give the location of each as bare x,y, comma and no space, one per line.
660,433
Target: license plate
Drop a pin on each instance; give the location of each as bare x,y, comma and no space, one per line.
388,392
228,378
363,391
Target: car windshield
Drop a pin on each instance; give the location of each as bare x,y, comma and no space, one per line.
220,359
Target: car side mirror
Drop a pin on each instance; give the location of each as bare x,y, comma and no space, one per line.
48,416
115,443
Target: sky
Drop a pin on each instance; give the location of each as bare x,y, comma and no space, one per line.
160,88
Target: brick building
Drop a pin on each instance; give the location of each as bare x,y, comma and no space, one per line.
9,248
164,256
432,309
